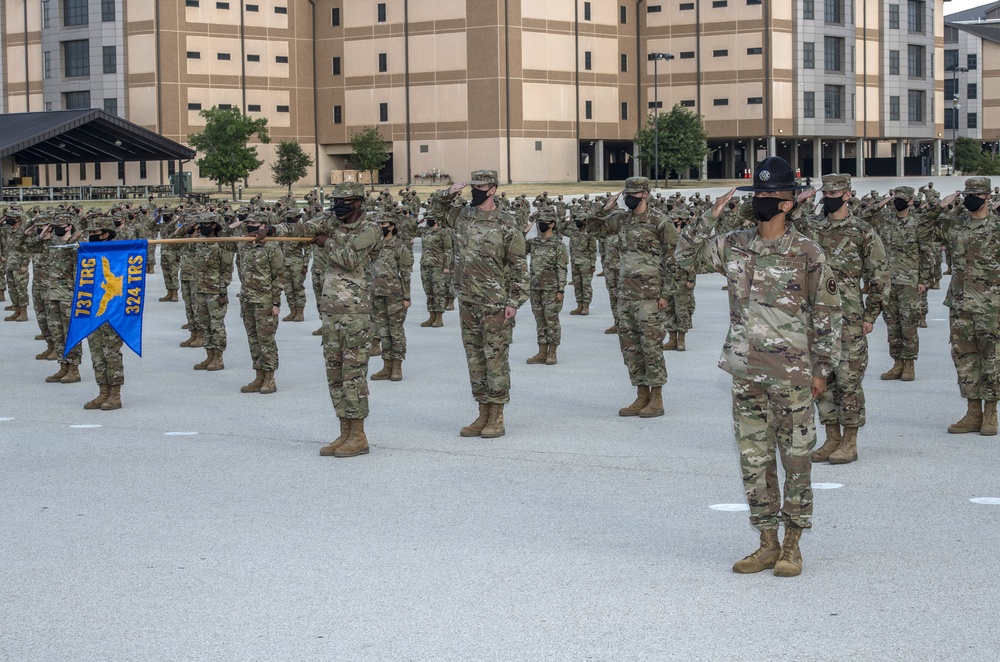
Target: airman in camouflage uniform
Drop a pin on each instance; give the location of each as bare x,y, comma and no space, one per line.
583,257
186,226
213,266
548,265
854,253
646,241
39,254
899,230
59,297
680,306
17,262
351,243
783,342
296,264
436,256
170,255
391,279
261,276
491,281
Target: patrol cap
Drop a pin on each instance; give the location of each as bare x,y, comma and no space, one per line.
977,186
348,190
546,215
836,182
771,175
102,222
903,193
637,185
259,217
485,178
680,212
64,219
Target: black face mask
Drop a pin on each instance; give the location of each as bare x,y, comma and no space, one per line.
60,230
253,229
97,237
479,197
342,209
10,221
206,230
833,205
431,223
732,205
242,217
386,230
632,201
579,224
764,209
973,203
900,204
118,224
543,227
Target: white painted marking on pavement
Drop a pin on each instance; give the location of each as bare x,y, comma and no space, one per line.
179,434
986,501
6,418
85,426
730,507
827,486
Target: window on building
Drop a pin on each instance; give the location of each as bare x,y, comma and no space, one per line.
171,167
716,4
97,170
76,58
380,10
47,64
338,115
951,59
425,149
83,171
755,101
224,56
222,5
58,172
894,17
753,2
281,59
46,20
48,106
109,57
808,55
833,11
225,106
624,110
833,102
194,106
809,105
336,66
915,56
915,16
654,9
720,102
833,53
587,61
121,171
655,104
588,110
282,109
972,61
335,16
192,3
281,10
193,55
916,100
686,6
252,8
972,120
383,63
586,11
623,15
624,62
721,53
950,89
253,108
687,55
142,170
972,91
687,103
894,63
950,116
252,57
808,9
76,100
893,109
75,12
107,11
755,51
538,145
383,112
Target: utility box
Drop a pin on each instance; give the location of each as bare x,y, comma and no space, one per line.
180,183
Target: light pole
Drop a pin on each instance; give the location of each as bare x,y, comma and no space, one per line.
656,57
956,106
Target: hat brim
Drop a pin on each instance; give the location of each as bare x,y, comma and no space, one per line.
827,189
772,189
971,192
480,182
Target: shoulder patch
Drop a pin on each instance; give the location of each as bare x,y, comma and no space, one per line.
831,285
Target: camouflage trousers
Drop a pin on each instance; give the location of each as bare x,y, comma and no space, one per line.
843,402
190,307
583,286
435,284
347,343
317,284
3,274
17,281
261,326
59,313
974,349
640,334
170,261
770,419
611,282
106,356
680,309
486,336
211,317
389,315
902,315
294,282
39,301
546,308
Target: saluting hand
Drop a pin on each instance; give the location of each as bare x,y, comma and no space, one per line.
456,187
721,202
613,201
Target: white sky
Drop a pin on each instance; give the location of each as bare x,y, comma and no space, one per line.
961,5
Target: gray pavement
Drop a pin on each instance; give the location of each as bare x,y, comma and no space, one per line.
578,536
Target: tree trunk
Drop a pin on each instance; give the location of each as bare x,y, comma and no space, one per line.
232,186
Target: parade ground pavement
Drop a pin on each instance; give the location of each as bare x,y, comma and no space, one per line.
199,523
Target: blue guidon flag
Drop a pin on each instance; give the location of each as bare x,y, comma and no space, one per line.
110,287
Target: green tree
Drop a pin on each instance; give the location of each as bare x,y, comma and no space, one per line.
226,157
370,151
971,160
291,165
682,141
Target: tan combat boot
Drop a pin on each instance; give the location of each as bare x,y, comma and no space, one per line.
169,296
186,326
895,372
449,303
254,386
576,311
376,348
22,315
764,557
318,332
39,336
971,422
268,387
551,358
397,370
543,351
54,379
290,316
585,310
150,268
655,406
832,443
191,339
216,363
53,355
357,443
44,356
72,375
989,428
114,400
848,451
199,339
384,373
922,322
173,296
431,318
908,374
3,295
611,331
299,315
345,432
475,428
100,399
671,344
209,355
13,316
494,426
438,320
680,342
641,400
790,562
